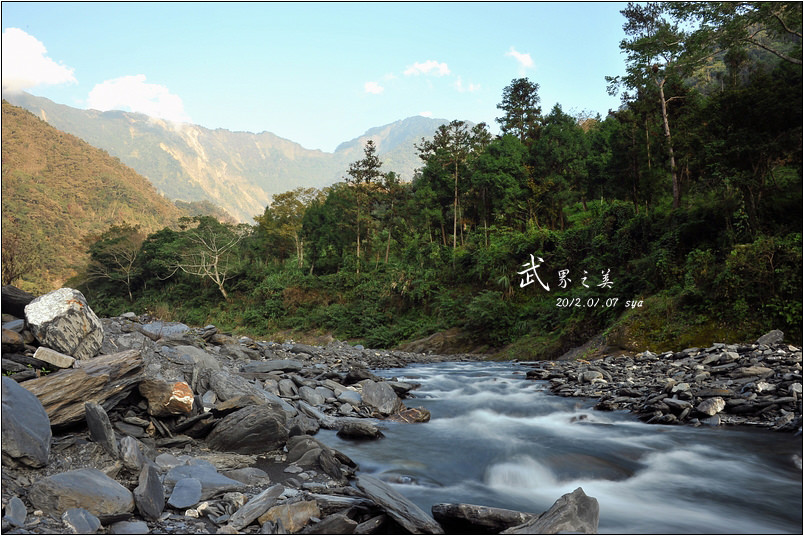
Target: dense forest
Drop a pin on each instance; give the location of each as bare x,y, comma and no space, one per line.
674,221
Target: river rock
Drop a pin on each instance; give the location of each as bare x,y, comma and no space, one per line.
57,359
26,433
81,521
255,507
105,380
311,396
572,512
186,493
14,300
350,397
251,430
81,488
273,365
359,429
63,320
100,428
149,495
772,337
131,454
334,524
474,519
15,512
165,398
381,397
293,516
212,482
129,527
12,341
402,510
711,406
161,329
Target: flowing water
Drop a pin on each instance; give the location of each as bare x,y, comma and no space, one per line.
497,439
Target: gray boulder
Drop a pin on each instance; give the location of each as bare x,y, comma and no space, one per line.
100,428
186,493
381,397
251,430
81,488
772,337
149,495
572,512
402,510
473,519
25,426
62,320
212,482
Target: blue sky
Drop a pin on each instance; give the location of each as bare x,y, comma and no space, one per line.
315,73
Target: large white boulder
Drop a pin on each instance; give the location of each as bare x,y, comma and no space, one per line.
62,320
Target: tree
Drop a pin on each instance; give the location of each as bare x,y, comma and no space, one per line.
656,53
451,147
363,175
499,177
281,223
520,102
771,26
19,256
562,150
210,250
114,255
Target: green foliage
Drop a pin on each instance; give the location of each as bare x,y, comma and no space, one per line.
381,261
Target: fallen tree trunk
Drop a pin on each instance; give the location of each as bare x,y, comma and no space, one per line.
105,380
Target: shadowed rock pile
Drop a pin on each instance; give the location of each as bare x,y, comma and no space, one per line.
130,425
751,384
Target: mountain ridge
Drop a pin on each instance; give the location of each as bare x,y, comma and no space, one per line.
237,170
58,192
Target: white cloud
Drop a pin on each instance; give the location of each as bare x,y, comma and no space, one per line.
25,63
428,67
373,87
133,94
524,59
426,114
471,88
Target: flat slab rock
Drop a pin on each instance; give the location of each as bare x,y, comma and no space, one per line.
401,509
82,488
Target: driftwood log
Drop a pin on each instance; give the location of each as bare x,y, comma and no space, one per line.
105,380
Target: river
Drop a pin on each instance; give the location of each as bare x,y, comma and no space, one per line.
497,439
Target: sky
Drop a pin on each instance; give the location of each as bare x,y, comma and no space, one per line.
318,74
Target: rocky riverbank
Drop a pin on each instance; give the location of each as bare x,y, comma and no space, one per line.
732,384
129,425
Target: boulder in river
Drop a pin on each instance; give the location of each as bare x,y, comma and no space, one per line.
381,397
402,510
572,512
474,519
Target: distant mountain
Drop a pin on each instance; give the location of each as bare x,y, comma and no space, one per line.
58,191
238,171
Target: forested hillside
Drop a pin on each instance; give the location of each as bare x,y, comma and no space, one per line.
674,221
58,192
